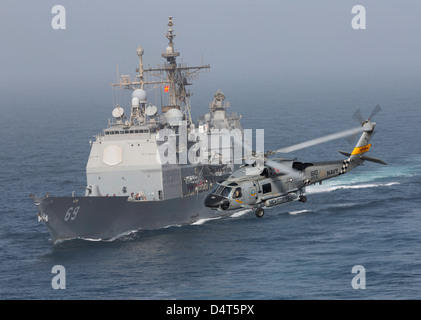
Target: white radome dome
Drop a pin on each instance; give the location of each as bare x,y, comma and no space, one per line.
174,116
135,101
140,94
139,51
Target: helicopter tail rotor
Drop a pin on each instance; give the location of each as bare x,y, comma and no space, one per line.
358,116
376,110
357,156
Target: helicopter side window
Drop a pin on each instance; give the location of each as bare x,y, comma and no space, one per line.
267,188
237,193
225,193
301,166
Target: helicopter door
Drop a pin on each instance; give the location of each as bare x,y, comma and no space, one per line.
253,192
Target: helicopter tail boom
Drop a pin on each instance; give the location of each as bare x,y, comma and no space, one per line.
325,170
357,156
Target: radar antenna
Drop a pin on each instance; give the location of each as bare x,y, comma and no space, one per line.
175,80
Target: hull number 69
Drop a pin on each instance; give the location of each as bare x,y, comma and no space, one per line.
71,213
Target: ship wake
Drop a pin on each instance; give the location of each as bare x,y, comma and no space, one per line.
318,189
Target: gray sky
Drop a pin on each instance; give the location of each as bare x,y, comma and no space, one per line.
243,40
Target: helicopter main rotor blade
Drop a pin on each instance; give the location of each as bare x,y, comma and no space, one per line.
313,142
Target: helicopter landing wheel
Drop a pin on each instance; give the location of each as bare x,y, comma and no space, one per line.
302,199
259,212
225,206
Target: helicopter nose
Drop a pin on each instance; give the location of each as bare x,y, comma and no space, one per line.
213,201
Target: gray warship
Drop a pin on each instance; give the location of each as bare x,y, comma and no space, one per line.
150,169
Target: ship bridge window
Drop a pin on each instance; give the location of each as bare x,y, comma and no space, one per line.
127,131
139,131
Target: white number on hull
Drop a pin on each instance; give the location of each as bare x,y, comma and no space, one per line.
71,213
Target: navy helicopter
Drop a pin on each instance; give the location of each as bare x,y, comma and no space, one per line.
270,182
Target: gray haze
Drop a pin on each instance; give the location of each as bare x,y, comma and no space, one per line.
285,43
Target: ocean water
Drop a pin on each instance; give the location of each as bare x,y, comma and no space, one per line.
370,217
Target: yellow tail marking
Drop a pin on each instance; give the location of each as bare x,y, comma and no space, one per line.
362,149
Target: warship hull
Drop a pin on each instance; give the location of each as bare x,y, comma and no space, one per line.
150,170
105,218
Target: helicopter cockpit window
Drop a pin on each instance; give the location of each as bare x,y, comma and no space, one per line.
225,193
217,189
237,193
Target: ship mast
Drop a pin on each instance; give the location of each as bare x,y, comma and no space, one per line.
175,81
139,52
171,70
